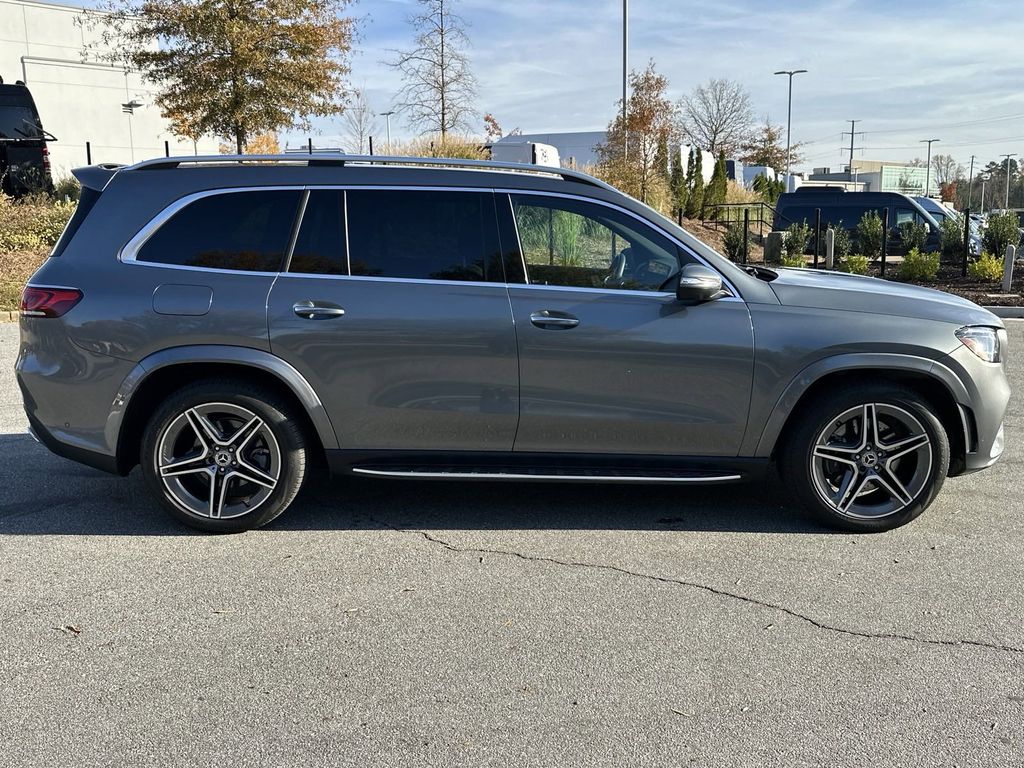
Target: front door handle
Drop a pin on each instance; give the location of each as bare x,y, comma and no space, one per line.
313,310
552,320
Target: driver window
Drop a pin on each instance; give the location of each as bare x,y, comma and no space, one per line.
585,245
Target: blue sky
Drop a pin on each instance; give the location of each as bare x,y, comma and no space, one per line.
908,71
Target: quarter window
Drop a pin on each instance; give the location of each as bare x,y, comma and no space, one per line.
247,230
579,244
421,234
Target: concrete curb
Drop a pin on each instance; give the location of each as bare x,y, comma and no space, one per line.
8,317
1014,313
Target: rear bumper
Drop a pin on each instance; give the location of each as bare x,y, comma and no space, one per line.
81,455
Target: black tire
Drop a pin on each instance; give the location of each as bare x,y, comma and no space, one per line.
276,451
919,472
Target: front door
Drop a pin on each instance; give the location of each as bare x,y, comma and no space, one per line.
610,361
406,333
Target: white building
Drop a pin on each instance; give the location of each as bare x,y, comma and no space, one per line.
80,100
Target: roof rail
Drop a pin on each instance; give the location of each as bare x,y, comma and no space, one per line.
343,160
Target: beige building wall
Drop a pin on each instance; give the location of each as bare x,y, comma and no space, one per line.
78,99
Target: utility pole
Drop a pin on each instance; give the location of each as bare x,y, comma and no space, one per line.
1012,154
387,117
928,166
625,74
789,118
853,133
970,184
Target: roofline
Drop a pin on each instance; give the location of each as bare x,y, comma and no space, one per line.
343,160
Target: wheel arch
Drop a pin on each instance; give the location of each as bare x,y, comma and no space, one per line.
932,380
158,375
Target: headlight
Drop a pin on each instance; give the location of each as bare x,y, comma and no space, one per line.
982,341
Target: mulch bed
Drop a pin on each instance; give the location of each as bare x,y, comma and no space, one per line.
980,292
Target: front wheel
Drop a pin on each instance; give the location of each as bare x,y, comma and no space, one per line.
224,456
867,458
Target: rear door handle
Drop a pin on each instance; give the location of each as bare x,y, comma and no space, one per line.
313,310
552,320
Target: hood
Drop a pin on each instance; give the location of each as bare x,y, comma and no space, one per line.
856,293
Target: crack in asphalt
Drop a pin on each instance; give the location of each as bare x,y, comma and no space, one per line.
703,588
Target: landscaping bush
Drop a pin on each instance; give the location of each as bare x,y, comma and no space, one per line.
951,238
1003,229
732,242
28,230
869,235
854,264
793,260
913,235
919,266
987,267
797,237
67,188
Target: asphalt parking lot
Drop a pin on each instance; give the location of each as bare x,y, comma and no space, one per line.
415,624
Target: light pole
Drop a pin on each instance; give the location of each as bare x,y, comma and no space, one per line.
928,166
970,184
789,117
984,177
1006,205
387,117
625,74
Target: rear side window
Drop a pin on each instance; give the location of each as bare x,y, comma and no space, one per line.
421,234
86,200
320,246
247,230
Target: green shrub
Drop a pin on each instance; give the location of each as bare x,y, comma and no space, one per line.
797,237
1003,229
987,267
869,235
793,260
31,223
67,188
951,238
919,266
841,241
854,264
913,235
732,242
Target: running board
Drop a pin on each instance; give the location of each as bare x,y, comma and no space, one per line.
579,477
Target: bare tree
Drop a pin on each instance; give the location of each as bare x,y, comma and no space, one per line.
945,169
717,116
359,122
439,87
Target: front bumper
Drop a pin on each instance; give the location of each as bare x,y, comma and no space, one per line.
987,396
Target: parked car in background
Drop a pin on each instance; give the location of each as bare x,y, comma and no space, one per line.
941,213
840,208
230,324
24,158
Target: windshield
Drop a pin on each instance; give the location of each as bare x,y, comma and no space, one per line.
18,123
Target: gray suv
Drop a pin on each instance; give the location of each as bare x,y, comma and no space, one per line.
228,323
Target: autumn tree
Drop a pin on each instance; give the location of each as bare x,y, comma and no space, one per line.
492,128
359,123
767,146
438,87
641,168
717,116
232,68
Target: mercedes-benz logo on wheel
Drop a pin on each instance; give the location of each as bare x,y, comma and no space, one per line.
222,458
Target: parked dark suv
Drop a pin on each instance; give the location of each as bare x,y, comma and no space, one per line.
24,158
226,322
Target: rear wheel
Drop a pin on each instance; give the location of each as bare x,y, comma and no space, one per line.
224,456
867,458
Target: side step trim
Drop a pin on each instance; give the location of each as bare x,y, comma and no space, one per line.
559,478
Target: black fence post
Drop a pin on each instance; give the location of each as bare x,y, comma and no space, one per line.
746,233
371,146
88,153
967,241
885,236
309,144
167,149
679,216
817,236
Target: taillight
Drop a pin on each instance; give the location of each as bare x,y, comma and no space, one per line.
38,301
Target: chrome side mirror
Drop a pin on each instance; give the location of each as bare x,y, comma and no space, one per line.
698,284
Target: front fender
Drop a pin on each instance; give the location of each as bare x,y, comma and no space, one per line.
762,444
220,354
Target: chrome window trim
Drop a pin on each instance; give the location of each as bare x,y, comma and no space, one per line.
130,251
376,279
736,295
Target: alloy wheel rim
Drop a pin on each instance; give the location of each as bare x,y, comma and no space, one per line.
871,461
218,461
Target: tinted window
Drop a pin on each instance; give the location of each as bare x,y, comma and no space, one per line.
18,123
423,235
320,246
238,230
580,244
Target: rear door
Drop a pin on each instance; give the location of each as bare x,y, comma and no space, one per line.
401,319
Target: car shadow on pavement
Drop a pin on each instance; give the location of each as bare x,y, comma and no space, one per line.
44,494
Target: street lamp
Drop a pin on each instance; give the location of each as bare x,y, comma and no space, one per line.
984,177
928,165
129,109
789,116
387,117
1006,205
625,74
